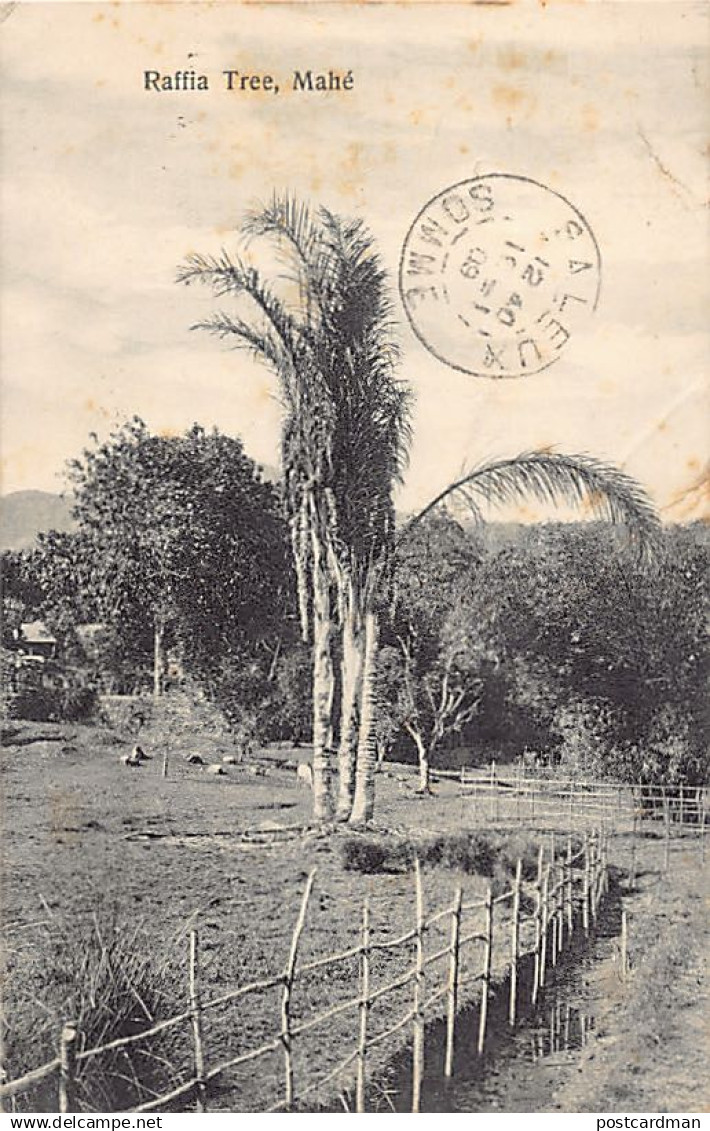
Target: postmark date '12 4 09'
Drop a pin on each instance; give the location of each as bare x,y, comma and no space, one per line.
497,274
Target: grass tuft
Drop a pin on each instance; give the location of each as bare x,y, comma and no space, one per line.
102,975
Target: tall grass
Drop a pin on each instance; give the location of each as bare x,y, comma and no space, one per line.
107,978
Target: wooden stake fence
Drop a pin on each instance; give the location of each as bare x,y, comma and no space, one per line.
364,1009
515,943
544,924
286,1033
624,946
537,926
196,1022
418,1027
453,984
486,976
552,924
67,1069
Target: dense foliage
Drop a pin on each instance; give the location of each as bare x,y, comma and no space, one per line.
574,650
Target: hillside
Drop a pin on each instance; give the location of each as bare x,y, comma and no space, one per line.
24,514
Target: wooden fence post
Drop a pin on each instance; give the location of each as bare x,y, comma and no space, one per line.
538,926
418,1028
494,792
67,1069
165,764
364,1008
593,875
632,869
543,925
667,831
553,894
571,807
555,912
701,817
453,984
487,954
569,892
624,946
286,1039
585,884
515,943
532,798
196,1021
518,790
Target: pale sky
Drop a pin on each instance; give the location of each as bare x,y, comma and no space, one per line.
106,188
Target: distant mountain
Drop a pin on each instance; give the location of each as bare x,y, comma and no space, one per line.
25,514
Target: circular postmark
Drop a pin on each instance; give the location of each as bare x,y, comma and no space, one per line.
497,274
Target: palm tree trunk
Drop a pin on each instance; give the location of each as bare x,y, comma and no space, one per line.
323,686
351,687
364,802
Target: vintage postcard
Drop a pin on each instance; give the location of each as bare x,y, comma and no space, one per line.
354,439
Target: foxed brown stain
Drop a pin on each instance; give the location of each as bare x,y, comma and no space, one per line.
513,100
511,59
590,119
508,97
264,392
351,166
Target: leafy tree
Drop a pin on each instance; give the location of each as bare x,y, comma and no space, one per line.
178,539
433,671
603,651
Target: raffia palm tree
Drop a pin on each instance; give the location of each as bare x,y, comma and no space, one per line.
344,440
329,338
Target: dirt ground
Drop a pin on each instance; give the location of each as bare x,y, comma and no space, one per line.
86,838
651,1048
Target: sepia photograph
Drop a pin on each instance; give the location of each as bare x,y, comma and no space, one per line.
354,435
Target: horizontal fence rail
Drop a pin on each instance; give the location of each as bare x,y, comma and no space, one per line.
565,896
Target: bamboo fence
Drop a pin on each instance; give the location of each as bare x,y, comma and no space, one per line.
566,895
577,878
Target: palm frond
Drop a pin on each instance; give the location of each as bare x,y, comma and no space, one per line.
231,276
290,222
553,477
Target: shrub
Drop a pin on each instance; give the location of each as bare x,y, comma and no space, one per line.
126,712
53,704
361,854
493,855
106,978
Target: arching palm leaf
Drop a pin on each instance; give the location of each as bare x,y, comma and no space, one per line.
553,477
